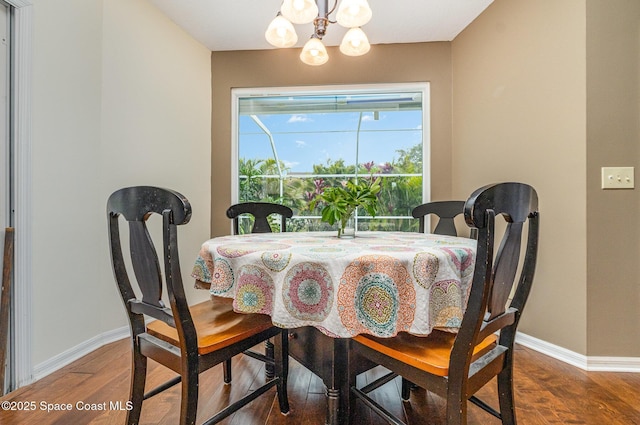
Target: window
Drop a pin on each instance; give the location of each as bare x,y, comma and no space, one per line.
292,143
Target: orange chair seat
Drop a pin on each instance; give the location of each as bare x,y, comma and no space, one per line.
429,353
217,325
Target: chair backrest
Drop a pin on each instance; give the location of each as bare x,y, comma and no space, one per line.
487,311
136,205
446,211
260,211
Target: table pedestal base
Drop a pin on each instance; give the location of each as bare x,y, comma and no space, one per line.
327,358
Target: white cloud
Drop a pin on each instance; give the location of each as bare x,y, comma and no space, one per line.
300,143
299,118
367,117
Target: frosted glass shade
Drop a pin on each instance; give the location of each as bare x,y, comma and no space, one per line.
355,43
280,33
353,13
314,52
299,11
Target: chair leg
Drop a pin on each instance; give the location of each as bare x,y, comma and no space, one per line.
189,401
352,378
281,356
456,408
226,366
505,395
406,389
269,352
138,380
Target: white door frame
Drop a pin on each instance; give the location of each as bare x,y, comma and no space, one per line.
22,34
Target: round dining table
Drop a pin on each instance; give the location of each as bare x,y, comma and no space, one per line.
327,289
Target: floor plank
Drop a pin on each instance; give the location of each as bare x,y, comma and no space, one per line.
547,392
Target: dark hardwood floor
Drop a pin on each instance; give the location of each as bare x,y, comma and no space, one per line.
548,392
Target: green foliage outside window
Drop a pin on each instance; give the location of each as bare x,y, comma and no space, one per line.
398,195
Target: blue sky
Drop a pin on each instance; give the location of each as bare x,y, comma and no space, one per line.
306,139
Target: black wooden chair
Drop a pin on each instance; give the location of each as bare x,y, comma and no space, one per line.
187,340
446,211
260,211
456,366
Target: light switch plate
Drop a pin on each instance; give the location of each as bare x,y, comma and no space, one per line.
617,178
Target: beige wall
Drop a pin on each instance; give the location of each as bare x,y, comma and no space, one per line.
613,139
65,152
121,96
519,100
545,92
552,91
277,68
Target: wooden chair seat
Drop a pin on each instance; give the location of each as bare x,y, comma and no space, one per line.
217,325
429,353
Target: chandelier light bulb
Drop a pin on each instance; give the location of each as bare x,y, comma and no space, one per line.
355,43
353,13
299,11
281,33
314,53
350,14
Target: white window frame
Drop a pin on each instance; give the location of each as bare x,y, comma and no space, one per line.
422,87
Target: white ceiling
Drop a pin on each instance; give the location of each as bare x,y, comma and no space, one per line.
240,24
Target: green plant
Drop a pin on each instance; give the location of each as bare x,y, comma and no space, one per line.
340,202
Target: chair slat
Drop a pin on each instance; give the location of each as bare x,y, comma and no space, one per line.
145,263
505,268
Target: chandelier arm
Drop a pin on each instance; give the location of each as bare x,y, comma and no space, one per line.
335,4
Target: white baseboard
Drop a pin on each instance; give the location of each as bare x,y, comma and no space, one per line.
51,365
551,350
601,364
613,364
591,364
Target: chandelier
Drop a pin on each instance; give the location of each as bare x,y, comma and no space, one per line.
351,14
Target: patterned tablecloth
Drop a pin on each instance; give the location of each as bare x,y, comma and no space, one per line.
378,283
